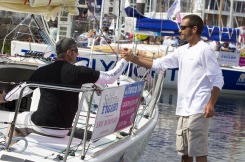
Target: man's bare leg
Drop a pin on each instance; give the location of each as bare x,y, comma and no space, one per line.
201,159
15,134
186,158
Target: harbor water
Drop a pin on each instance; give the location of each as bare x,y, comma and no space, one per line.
226,131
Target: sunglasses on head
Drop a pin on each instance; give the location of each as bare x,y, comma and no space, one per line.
76,50
184,27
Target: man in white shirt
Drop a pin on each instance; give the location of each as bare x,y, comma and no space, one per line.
199,83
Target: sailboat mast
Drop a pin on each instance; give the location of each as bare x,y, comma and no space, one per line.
231,13
102,13
220,12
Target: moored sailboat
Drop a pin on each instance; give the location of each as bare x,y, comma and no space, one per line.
121,137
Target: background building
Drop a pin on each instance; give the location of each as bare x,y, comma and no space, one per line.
231,15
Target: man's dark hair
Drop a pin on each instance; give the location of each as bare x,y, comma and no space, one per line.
105,29
63,45
195,20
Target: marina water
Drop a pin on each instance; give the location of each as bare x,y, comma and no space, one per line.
226,131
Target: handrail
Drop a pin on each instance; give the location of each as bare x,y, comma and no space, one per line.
84,90
38,86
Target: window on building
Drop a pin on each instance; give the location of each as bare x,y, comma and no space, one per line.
186,5
110,9
239,7
213,5
226,5
82,2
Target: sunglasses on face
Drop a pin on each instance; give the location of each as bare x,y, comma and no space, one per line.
184,27
76,50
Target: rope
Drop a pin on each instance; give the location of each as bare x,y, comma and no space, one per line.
3,144
11,83
97,23
48,127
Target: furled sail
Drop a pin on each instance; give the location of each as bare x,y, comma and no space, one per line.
47,8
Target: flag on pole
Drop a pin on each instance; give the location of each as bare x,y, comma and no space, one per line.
178,17
174,9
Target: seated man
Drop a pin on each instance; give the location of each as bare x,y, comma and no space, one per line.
225,47
56,109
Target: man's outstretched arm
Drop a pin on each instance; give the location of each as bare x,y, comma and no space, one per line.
143,62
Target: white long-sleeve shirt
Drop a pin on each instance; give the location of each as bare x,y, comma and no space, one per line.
198,73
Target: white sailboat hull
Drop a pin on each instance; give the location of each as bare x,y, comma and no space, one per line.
44,149
105,61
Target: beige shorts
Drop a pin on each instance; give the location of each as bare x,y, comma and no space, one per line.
192,135
25,126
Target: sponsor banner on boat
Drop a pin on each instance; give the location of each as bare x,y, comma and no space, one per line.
117,109
21,48
242,57
242,61
229,58
99,60
234,80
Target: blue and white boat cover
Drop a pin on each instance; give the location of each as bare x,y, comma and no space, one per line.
161,27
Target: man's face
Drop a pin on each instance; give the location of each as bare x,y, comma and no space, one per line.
72,54
185,30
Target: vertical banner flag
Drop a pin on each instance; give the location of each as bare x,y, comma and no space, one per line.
117,109
174,9
178,17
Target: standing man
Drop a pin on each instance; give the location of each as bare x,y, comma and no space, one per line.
199,83
56,109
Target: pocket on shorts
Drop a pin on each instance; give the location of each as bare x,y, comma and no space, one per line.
179,140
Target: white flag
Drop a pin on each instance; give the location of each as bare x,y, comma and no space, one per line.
174,8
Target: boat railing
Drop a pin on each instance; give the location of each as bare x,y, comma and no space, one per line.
83,90
87,96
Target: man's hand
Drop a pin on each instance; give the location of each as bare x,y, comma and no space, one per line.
127,54
2,97
208,111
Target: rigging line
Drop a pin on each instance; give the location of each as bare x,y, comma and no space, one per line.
96,21
77,146
94,147
3,128
62,151
58,128
11,83
86,115
38,143
73,151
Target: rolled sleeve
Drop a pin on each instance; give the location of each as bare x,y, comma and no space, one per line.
217,81
213,70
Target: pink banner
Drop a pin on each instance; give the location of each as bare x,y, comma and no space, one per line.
128,110
242,57
242,61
